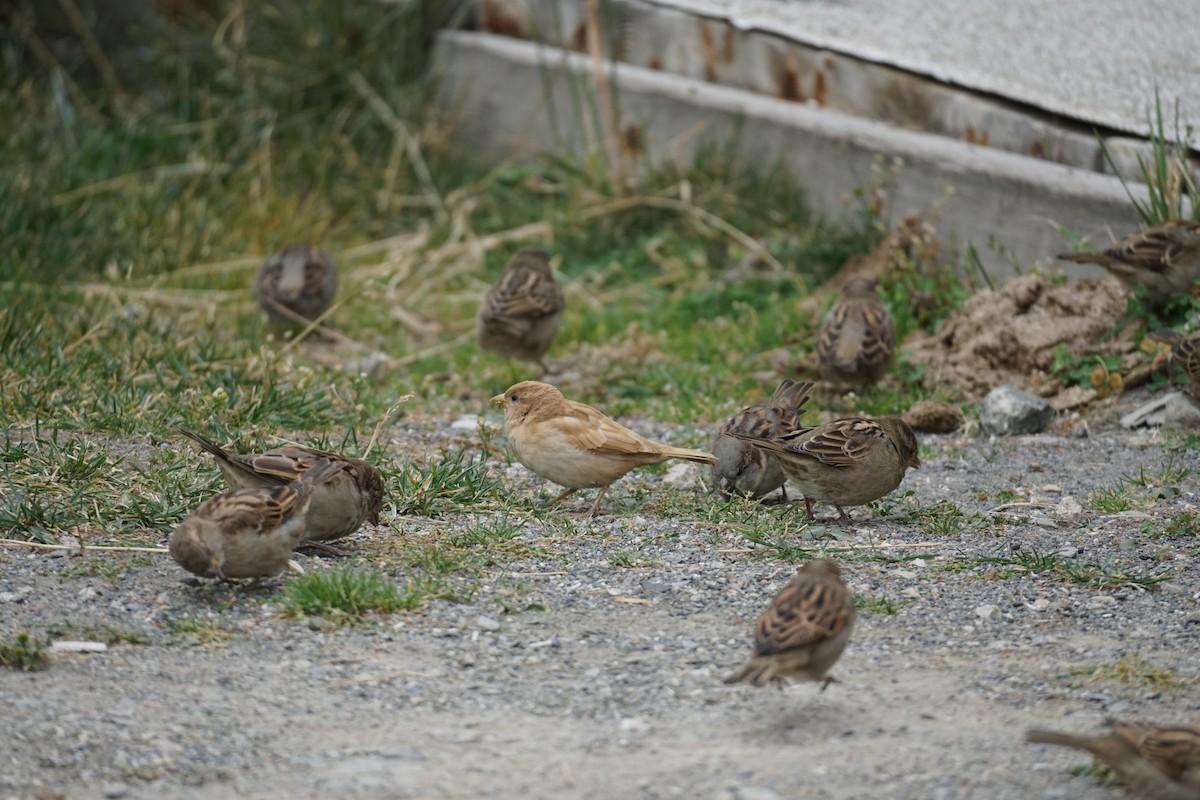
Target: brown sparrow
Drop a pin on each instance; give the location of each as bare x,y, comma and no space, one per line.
574,444
1155,763
341,503
847,462
803,631
248,533
1185,351
744,469
858,337
519,316
300,279
1164,258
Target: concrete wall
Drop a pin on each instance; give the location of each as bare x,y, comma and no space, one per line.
506,98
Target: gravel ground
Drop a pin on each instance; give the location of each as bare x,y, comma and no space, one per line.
571,677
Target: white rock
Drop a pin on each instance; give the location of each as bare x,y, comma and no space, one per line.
465,423
988,611
1008,411
67,646
1068,509
486,623
683,475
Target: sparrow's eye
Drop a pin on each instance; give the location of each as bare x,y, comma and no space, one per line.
514,398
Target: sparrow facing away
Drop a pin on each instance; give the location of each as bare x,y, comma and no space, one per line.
847,462
744,469
857,338
1164,258
247,533
803,631
298,278
341,502
575,445
1154,763
520,314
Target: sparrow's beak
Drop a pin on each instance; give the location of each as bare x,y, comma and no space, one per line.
499,401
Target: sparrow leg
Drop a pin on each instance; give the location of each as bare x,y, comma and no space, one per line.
843,517
808,515
326,548
596,505
828,680
561,497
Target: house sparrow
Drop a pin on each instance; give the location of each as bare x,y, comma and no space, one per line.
1185,351
803,631
1164,258
300,279
519,316
248,533
1155,763
847,462
744,469
575,445
857,338
341,503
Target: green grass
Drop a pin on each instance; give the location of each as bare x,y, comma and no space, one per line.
24,653
1129,671
1108,575
349,595
199,629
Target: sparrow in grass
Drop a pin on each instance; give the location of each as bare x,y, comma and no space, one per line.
1163,258
857,338
342,501
520,314
299,279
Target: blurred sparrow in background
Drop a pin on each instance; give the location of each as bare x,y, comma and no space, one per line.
858,337
519,316
1164,258
300,279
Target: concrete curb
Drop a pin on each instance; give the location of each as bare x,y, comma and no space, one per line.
513,99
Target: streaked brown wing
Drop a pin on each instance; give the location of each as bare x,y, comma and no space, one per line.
805,612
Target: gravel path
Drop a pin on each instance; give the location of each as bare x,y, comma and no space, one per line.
567,676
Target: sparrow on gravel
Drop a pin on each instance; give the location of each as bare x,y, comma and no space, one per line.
575,445
248,533
858,337
847,462
342,501
1164,258
1155,763
520,314
1185,351
933,416
300,279
803,631
744,469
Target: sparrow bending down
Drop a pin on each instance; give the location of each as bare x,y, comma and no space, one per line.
519,316
341,502
1155,763
857,338
299,278
803,631
847,462
575,445
248,533
743,469
1164,258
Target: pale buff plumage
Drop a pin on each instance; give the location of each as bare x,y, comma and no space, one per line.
1154,763
519,316
803,631
247,533
847,462
299,279
858,337
1163,258
743,469
341,503
575,445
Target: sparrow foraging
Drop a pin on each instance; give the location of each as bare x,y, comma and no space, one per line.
248,533
847,462
857,338
575,445
803,631
341,502
1164,258
520,314
1154,763
743,469
299,279
1185,351
934,416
